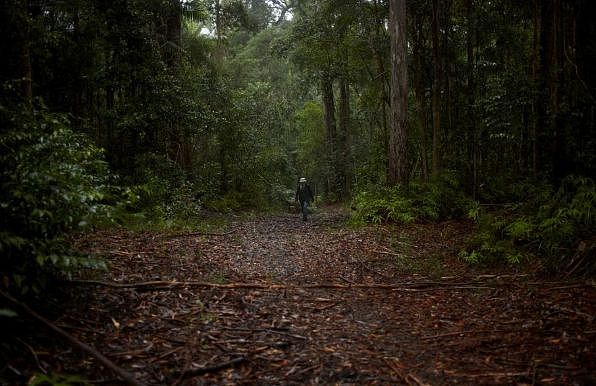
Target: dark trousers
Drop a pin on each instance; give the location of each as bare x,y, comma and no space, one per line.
304,205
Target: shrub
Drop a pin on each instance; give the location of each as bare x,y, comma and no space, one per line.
53,181
549,223
439,199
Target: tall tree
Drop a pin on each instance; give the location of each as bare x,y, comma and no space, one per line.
470,35
344,155
397,151
421,110
330,127
436,95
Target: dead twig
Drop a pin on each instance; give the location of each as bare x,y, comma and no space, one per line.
124,375
319,309
347,280
125,253
396,369
467,332
166,354
417,380
212,369
272,331
494,375
458,287
39,366
388,253
133,353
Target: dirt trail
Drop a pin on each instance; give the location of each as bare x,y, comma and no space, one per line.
426,318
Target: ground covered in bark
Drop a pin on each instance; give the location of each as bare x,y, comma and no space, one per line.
274,300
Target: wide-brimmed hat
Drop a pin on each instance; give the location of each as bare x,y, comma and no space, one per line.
302,179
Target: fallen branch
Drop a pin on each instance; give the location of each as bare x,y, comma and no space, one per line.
272,331
467,332
164,285
134,352
319,309
493,375
388,253
417,380
211,369
397,370
441,288
166,354
124,375
125,253
39,366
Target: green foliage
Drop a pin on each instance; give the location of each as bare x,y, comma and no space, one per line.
311,143
53,181
56,380
7,313
437,200
548,224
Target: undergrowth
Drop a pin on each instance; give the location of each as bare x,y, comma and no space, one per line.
53,181
543,222
439,199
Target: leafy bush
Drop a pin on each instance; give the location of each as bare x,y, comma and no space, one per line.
439,199
53,181
549,223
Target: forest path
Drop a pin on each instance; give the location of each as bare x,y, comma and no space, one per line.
275,300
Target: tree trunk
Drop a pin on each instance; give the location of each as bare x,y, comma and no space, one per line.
551,62
470,91
330,128
436,90
219,49
420,94
397,149
538,118
344,130
173,34
445,81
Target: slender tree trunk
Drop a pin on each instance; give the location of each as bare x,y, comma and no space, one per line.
330,128
382,73
470,90
344,129
219,50
446,80
173,33
436,91
538,111
397,149
551,62
420,94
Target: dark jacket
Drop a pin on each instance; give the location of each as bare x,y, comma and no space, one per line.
303,193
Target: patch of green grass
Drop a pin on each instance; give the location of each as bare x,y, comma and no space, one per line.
270,277
218,278
57,380
408,263
208,317
405,264
143,221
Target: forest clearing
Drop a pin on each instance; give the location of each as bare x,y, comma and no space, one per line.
334,192
275,300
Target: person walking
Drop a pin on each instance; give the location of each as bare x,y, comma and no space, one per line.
304,196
